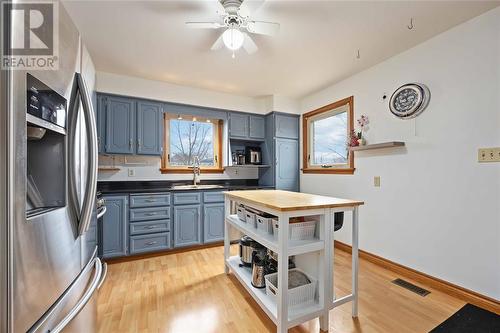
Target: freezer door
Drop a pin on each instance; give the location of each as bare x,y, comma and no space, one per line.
75,311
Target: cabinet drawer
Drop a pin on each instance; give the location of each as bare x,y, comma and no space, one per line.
144,214
213,196
149,227
150,200
149,243
187,198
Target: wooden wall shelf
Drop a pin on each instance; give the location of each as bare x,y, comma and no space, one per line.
382,145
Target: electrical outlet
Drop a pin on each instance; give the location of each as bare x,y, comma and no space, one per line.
376,181
488,155
131,172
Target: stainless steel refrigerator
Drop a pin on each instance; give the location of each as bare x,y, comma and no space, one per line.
49,271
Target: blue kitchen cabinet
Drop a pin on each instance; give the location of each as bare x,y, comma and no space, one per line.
246,126
257,129
101,123
213,222
114,227
149,128
286,126
187,225
238,125
120,125
287,164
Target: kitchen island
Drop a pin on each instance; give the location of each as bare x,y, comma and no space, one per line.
314,256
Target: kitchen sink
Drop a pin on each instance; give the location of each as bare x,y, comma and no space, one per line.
195,187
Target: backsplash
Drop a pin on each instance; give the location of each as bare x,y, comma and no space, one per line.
135,167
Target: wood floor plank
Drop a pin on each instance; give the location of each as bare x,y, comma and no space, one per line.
189,292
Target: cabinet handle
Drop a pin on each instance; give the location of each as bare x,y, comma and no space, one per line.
130,143
151,243
150,200
150,214
139,143
151,227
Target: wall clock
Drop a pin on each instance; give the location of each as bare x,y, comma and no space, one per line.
409,100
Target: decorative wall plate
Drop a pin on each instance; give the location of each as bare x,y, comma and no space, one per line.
409,100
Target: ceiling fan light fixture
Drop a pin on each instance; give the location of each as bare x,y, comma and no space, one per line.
233,38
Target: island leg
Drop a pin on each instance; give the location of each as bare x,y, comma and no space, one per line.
282,320
227,244
326,233
355,261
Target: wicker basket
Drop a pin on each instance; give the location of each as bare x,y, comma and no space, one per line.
297,296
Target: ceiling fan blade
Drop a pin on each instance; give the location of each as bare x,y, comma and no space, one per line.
249,45
220,8
263,28
248,7
219,43
204,25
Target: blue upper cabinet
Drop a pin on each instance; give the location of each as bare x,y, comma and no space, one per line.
238,126
287,126
149,128
101,123
246,126
287,164
120,125
257,128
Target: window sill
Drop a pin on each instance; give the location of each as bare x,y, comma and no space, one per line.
344,171
183,171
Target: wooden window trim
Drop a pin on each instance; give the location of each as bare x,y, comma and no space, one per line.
183,170
349,169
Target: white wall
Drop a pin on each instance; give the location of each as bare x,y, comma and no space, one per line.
437,210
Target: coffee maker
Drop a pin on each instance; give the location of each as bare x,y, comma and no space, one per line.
253,155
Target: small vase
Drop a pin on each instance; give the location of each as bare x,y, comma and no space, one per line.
361,141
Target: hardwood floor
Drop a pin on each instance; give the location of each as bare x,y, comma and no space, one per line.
189,292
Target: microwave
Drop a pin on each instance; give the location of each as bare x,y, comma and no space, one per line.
45,103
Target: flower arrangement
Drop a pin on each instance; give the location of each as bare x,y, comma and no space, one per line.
353,139
363,126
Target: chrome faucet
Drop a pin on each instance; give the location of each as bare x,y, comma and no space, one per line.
196,170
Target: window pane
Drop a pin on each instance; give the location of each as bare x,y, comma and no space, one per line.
329,140
189,139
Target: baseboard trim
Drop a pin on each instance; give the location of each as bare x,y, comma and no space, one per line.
428,280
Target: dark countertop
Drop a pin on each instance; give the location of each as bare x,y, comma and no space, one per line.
109,187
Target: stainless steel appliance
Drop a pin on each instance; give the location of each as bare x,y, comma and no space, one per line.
49,270
253,155
259,269
247,249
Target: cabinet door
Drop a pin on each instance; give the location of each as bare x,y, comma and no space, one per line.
101,123
287,126
120,125
287,164
187,225
213,222
149,128
238,125
257,127
114,227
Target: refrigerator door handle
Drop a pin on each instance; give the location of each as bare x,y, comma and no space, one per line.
103,276
101,212
80,92
83,301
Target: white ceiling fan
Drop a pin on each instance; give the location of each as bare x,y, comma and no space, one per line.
237,24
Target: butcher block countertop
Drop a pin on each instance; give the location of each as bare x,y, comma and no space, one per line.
290,201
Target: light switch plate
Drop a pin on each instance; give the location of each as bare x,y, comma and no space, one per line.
376,181
131,172
485,155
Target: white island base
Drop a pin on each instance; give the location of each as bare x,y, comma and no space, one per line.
315,257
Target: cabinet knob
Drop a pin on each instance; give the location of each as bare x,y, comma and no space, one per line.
151,243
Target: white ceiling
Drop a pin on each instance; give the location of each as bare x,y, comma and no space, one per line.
316,47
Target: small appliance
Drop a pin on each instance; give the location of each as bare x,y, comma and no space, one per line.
247,248
253,155
259,269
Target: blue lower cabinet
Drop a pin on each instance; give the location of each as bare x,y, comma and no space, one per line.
152,213
213,223
149,243
187,225
114,227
